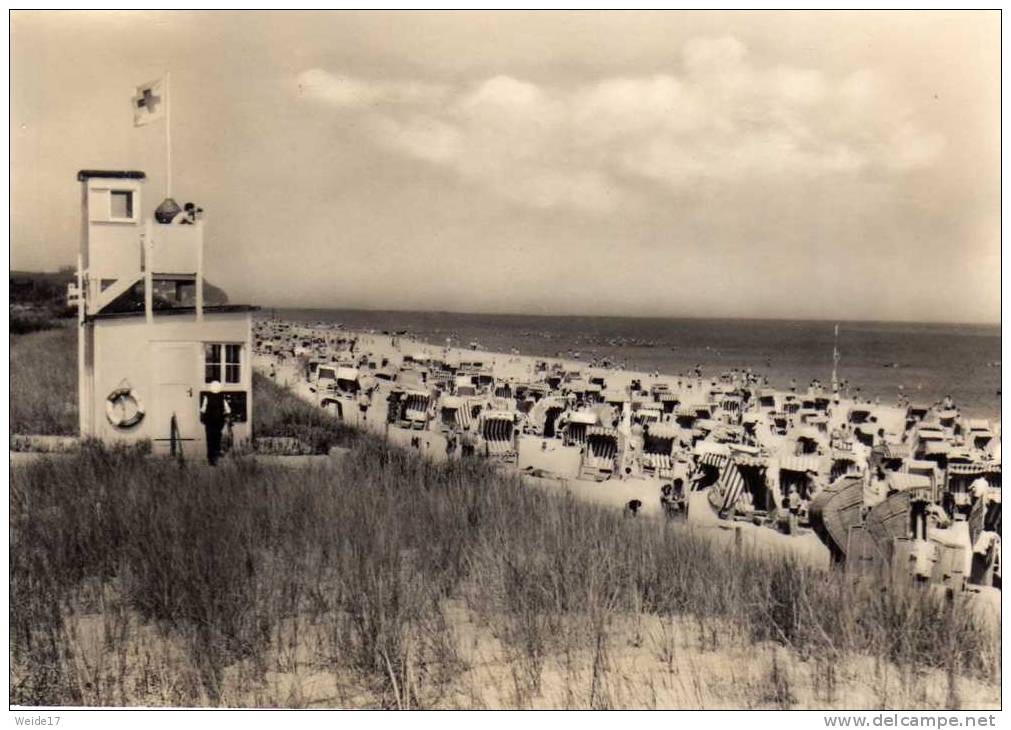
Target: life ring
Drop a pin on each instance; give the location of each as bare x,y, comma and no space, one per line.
124,408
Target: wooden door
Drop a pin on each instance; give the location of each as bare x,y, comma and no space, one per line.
176,382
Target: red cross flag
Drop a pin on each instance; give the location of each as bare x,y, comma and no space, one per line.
150,103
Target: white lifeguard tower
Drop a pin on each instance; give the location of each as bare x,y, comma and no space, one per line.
148,347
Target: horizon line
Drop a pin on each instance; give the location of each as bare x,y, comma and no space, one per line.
752,318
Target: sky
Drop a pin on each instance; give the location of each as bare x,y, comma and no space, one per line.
830,165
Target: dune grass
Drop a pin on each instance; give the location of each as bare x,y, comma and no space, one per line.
278,413
235,575
43,380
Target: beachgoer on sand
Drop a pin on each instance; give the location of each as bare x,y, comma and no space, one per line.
979,488
466,444
793,505
667,499
746,504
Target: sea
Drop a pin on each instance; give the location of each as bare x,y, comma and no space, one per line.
884,360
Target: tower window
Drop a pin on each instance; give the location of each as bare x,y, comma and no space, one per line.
222,360
121,204
233,365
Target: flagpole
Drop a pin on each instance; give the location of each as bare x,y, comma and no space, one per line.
168,137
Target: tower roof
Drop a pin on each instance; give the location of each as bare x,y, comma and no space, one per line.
111,174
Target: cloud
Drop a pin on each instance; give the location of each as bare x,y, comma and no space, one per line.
719,118
713,54
347,92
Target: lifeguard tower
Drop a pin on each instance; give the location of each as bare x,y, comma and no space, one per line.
148,346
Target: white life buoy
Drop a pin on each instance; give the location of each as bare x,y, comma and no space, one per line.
124,408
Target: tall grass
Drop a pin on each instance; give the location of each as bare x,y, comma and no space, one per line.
43,380
230,569
276,412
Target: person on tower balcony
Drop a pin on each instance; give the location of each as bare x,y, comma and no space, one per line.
189,215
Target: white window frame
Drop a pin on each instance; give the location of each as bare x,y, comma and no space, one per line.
223,362
132,218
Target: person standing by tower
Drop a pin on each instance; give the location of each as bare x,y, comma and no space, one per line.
214,409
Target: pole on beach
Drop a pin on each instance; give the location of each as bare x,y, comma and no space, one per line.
835,361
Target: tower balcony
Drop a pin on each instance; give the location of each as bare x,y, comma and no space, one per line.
173,250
